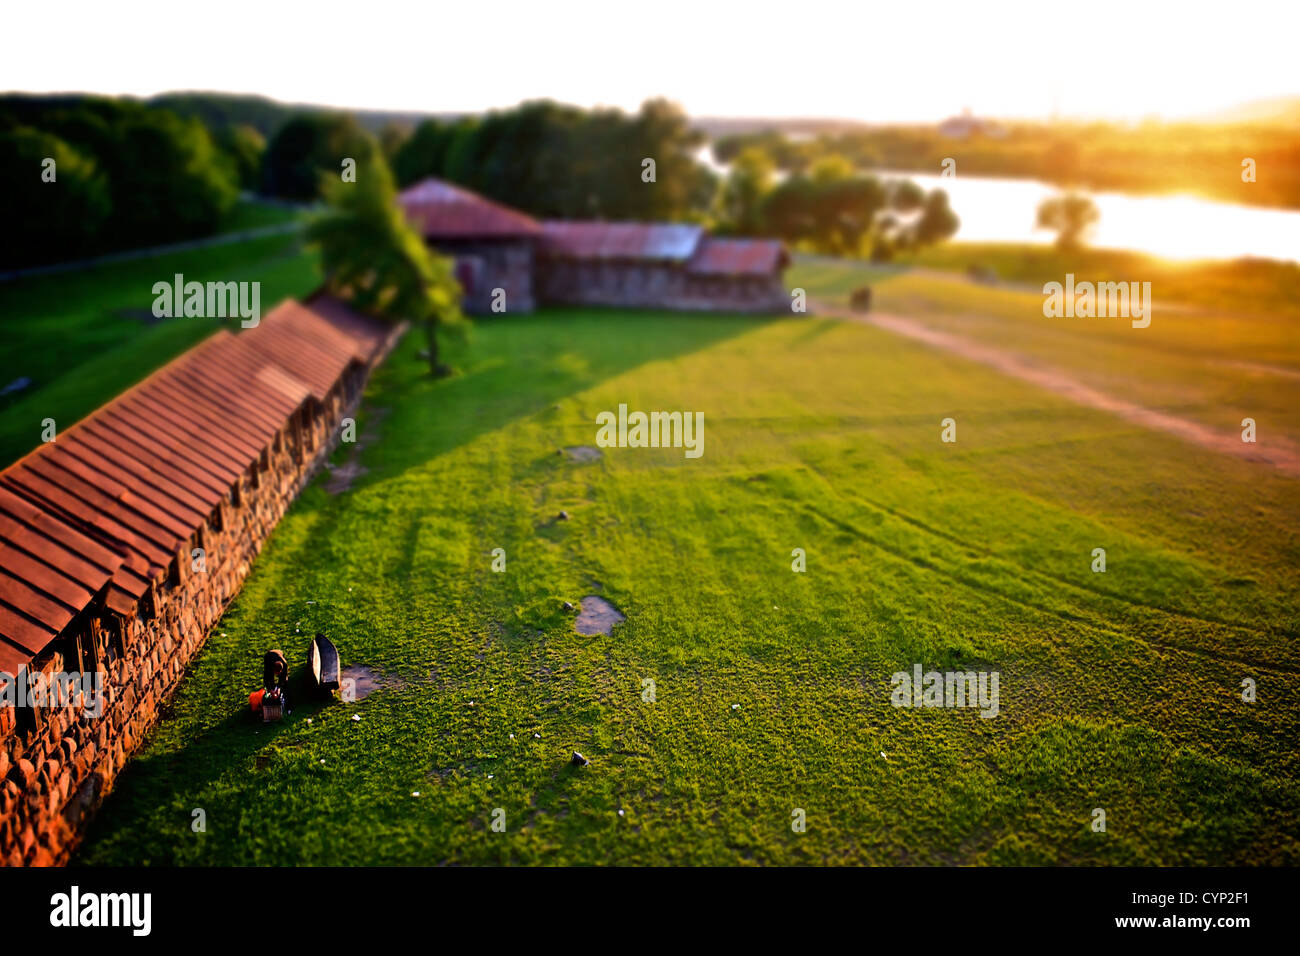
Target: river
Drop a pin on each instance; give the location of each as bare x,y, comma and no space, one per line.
1175,226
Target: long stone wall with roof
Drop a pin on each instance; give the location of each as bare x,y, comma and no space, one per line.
124,539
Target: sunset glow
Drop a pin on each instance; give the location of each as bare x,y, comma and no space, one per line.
1010,59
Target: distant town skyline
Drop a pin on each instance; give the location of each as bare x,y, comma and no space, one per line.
1124,61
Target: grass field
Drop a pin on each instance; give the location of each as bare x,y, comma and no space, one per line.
1119,691
83,337
1210,365
1244,285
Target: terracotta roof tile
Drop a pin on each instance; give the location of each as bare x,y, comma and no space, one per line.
105,508
441,210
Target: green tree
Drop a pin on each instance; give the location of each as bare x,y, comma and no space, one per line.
167,178
741,200
308,147
375,260
391,138
423,153
243,145
834,211
683,188
831,213
60,219
1070,216
559,161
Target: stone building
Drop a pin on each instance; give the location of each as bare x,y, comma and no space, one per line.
492,245
123,540
624,264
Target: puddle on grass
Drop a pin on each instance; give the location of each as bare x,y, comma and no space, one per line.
583,453
367,680
597,616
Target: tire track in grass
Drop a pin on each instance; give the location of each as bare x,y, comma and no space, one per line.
1280,455
1062,615
1027,573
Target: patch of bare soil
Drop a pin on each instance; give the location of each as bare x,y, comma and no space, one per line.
367,680
1283,457
342,476
597,616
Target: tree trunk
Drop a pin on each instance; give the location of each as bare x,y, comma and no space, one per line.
431,334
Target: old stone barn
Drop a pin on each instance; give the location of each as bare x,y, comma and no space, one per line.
629,264
123,540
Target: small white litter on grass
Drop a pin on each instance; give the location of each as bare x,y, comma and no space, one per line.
415,793
735,707
620,813
356,716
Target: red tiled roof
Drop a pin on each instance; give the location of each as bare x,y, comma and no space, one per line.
110,501
441,210
620,240
739,257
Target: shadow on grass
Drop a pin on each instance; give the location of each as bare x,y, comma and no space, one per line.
513,367
151,780
518,366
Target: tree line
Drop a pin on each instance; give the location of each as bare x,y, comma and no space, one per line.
1147,158
133,173
94,174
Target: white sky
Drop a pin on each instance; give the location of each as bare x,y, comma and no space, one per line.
909,60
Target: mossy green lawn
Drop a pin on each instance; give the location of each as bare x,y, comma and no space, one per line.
83,337
1120,691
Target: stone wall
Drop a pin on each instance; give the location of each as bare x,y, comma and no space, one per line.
656,285
484,266
58,761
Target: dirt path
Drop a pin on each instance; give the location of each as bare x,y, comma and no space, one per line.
1282,456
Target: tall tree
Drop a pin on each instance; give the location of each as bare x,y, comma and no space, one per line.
375,260
424,152
309,147
741,199
1070,216
167,178
244,146
60,219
